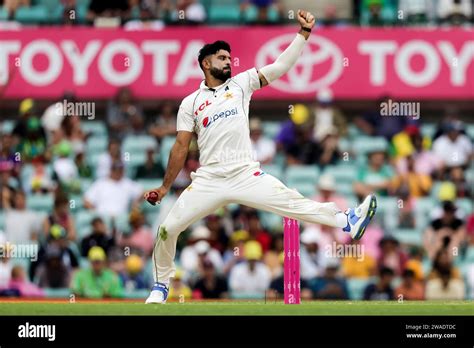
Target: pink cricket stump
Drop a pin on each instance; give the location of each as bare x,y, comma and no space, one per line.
291,275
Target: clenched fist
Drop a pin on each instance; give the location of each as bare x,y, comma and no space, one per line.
306,19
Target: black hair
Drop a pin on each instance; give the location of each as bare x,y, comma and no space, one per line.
386,271
212,48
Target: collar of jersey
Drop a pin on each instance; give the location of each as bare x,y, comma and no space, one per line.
205,88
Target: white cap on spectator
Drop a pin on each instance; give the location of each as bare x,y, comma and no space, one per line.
324,95
200,232
202,247
311,235
326,182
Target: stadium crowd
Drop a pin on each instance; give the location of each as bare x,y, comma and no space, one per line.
73,187
154,14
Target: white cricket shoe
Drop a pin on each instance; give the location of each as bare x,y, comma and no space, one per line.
158,294
358,218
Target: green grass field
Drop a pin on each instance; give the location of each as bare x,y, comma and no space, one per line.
241,308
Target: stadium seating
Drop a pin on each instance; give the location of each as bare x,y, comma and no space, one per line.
224,12
302,174
32,14
411,236
271,128
362,145
40,202
273,169
166,145
356,287
97,128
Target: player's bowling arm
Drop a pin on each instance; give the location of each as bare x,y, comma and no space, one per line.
283,63
178,154
288,58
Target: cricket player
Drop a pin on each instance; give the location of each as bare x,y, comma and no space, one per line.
218,113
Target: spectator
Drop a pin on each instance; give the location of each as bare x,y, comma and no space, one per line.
61,216
330,286
54,115
123,107
418,11
19,282
250,278
98,237
21,224
447,232
108,8
454,12
328,119
312,258
53,272
141,237
165,124
115,195
8,184
56,242
83,168
97,281
304,150
263,7
457,177
197,251
391,255
264,149
210,284
256,232
11,6
425,161
415,184
217,238
453,148
152,168
277,286
5,266
442,264
374,124
133,277
445,287
377,12
179,290
33,146
113,154
374,176
27,111
73,133
65,169
470,229
382,290
9,161
190,12
410,288
358,265
299,117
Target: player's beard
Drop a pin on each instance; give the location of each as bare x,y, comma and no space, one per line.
220,74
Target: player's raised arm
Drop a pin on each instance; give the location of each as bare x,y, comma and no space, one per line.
178,154
287,59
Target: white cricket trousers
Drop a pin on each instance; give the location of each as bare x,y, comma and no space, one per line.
214,187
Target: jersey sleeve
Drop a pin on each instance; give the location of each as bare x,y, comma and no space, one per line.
185,120
248,80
